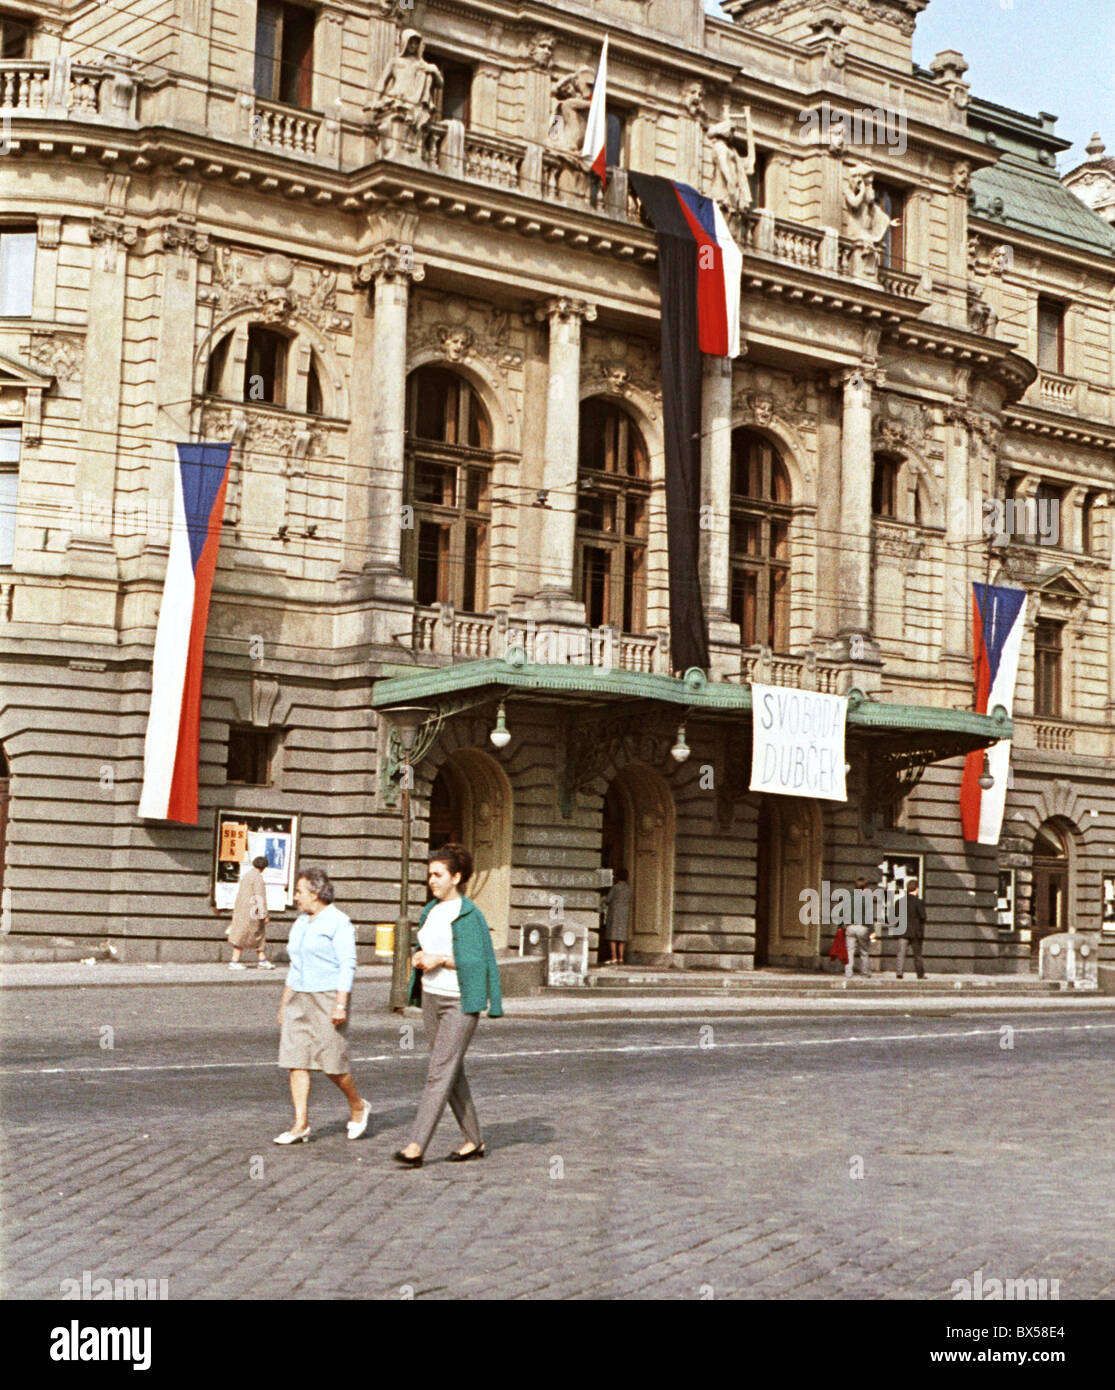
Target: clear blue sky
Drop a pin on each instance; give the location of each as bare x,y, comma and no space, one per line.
1032,55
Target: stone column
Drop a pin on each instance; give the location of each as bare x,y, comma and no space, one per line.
390,269
961,549
554,595
716,486
855,501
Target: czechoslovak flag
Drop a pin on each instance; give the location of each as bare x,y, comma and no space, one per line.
596,132
998,618
170,753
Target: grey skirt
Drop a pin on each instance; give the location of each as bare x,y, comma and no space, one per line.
310,1040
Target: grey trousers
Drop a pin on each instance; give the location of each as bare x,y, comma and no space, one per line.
856,939
449,1032
914,943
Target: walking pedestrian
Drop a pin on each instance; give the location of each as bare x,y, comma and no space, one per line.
858,935
455,978
914,935
248,928
617,917
313,1015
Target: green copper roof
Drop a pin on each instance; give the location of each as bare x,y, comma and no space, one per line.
1034,201
694,691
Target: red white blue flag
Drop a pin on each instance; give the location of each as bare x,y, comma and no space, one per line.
699,268
595,148
170,753
998,621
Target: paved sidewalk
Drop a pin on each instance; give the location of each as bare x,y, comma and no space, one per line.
878,995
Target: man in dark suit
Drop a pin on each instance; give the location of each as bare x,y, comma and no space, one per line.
914,936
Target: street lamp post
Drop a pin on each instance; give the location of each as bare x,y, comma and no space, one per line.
406,723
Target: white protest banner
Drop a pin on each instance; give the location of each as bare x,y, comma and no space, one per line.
797,746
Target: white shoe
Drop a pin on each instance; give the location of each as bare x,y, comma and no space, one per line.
357,1127
237,965
264,964
288,1136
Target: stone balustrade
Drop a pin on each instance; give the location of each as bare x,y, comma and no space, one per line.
478,636
1053,738
286,129
1056,392
7,600
761,665
42,88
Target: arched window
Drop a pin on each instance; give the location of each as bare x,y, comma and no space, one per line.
449,467
215,368
613,497
315,400
760,542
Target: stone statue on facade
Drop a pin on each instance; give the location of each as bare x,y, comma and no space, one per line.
732,141
407,90
572,97
867,223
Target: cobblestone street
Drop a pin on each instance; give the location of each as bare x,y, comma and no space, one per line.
711,1157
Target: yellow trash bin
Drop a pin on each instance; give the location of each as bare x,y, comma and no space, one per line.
385,939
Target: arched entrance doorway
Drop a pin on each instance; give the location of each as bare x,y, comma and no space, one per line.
789,860
638,835
470,802
1052,866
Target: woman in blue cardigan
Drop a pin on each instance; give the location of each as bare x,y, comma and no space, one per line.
455,978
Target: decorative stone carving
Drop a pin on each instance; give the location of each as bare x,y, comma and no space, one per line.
391,261
981,317
901,426
407,89
732,143
693,100
899,14
563,308
110,233
56,354
571,97
767,398
620,368
461,333
949,68
187,241
541,49
962,177
865,221
271,291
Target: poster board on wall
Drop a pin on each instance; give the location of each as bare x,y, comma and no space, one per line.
797,742
240,837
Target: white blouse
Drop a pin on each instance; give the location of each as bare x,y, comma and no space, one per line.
436,936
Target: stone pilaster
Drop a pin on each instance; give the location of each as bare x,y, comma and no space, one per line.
389,270
716,486
554,596
856,465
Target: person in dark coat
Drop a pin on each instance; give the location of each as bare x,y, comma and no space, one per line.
915,931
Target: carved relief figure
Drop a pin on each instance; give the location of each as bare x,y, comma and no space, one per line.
541,51
867,223
733,158
572,97
407,90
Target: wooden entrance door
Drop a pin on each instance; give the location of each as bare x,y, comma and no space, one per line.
1050,901
789,861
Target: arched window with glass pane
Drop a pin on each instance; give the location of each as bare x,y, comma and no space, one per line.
449,468
760,542
613,499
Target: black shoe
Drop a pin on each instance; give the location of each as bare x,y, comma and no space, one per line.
406,1159
897,976
456,1157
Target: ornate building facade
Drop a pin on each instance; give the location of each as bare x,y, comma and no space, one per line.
358,241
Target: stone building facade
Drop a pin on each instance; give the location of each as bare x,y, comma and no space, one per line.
358,241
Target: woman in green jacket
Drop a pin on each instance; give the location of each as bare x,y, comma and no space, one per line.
455,978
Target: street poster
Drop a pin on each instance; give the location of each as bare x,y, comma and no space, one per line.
797,744
245,835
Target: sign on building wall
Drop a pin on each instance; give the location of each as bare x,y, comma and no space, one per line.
1108,923
1004,900
797,746
242,836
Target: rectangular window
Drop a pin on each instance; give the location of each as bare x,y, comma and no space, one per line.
265,367
432,576
596,576
615,139
249,755
1051,335
456,93
757,180
284,68
17,271
1047,669
9,491
472,590
893,202
744,601
15,38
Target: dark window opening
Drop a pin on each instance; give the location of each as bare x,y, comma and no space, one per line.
884,486
15,38
284,67
215,369
1047,668
315,401
445,408
613,493
456,94
892,200
265,368
1088,537
615,139
757,179
1051,335
249,755
759,542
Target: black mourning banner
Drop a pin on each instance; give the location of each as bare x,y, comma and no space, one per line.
681,414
